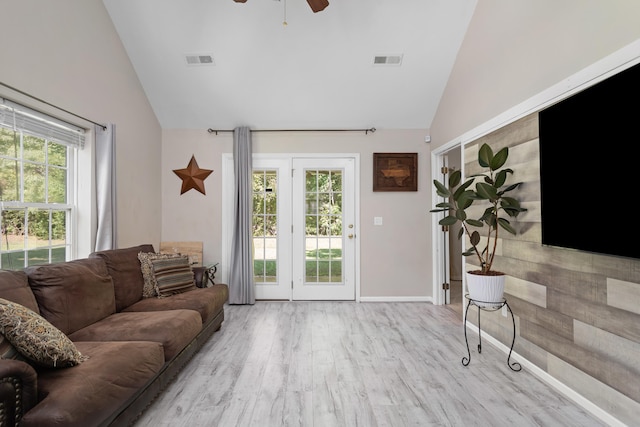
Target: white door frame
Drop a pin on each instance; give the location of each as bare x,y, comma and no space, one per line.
440,259
227,205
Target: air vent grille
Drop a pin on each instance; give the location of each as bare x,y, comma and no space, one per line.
199,59
387,60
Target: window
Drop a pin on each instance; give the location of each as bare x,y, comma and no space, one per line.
37,187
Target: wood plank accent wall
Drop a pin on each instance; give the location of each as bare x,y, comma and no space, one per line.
577,313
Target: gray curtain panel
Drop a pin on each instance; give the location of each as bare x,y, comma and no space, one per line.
241,283
105,154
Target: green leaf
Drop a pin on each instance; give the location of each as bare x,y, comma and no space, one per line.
511,187
485,154
461,215
506,225
448,220
475,223
475,238
486,191
438,210
501,178
468,252
465,199
441,189
499,159
455,178
446,205
462,189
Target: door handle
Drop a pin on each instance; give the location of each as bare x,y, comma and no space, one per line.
350,236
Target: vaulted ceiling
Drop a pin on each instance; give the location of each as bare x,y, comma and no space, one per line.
275,64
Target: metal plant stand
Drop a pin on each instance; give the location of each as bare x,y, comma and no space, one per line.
493,306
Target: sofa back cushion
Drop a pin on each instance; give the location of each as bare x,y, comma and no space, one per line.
124,268
73,294
14,286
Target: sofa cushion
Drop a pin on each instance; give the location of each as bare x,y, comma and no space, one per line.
206,301
35,338
88,394
14,286
124,267
173,329
73,294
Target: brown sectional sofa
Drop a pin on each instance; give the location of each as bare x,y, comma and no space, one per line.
135,345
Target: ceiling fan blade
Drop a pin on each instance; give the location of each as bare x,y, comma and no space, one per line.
318,5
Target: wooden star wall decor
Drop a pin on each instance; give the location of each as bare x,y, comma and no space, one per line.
192,176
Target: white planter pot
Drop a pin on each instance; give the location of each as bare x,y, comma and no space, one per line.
486,291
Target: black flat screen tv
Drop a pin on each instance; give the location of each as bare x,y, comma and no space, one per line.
590,170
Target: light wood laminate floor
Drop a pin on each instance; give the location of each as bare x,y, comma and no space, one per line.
327,364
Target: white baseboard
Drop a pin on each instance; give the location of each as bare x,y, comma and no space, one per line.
396,299
553,382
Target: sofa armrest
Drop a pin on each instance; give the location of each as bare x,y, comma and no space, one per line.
18,390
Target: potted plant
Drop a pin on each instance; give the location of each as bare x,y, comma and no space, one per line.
484,285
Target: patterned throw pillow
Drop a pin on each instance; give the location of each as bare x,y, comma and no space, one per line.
8,351
35,338
172,275
145,258
165,274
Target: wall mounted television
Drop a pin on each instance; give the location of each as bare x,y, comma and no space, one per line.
589,169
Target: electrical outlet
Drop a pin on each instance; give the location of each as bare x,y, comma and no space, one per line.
377,220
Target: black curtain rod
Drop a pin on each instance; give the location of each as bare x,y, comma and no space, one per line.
51,105
366,131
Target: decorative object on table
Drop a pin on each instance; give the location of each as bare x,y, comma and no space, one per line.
395,171
204,275
485,285
192,176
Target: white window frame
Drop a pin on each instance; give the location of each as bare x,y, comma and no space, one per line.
61,132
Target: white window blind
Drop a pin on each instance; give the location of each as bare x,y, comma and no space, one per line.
18,117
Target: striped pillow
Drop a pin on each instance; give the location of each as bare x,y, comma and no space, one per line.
172,275
149,290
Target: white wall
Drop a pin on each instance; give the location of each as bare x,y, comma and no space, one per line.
516,49
68,53
395,257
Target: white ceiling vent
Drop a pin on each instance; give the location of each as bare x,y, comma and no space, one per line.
387,60
199,59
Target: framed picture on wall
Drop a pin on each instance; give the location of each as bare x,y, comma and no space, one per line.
395,171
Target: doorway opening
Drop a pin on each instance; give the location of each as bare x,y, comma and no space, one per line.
447,248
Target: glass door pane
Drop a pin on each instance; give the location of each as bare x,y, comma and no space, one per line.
323,231
265,226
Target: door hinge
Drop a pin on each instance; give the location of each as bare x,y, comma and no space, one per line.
445,228
444,170
445,286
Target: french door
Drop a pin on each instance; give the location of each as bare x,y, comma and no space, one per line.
304,228
324,229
